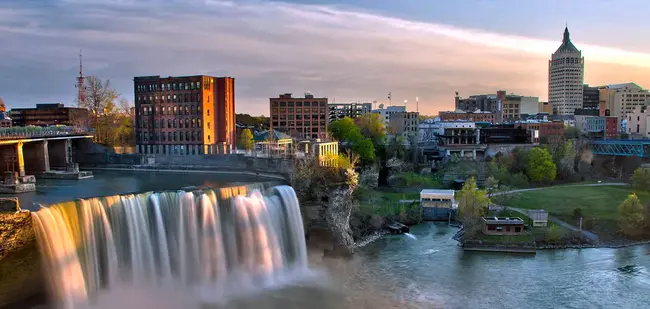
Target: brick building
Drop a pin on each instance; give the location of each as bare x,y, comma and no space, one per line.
544,131
301,118
50,114
187,115
469,116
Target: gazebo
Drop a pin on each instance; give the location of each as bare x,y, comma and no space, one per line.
273,142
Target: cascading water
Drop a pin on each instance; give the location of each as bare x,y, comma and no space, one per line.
211,243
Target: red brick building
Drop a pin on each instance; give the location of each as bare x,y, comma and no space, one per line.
611,127
544,131
469,116
187,115
300,118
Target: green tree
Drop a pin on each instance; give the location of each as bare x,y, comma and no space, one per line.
245,140
540,165
491,185
640,180
396,148
372,127
564,156
343,129
472,202
631,216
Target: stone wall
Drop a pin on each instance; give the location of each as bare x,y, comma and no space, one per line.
20,269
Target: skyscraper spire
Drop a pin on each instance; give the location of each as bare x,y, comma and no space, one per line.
566,34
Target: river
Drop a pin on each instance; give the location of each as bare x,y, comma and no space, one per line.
427,271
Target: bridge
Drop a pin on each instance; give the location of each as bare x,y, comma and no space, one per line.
46,152
621,147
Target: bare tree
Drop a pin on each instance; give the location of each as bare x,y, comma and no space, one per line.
100,102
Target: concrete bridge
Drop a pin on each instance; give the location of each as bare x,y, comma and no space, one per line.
43,152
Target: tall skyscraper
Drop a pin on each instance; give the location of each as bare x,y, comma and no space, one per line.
565,77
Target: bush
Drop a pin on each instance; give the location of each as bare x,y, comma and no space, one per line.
554,234
577,213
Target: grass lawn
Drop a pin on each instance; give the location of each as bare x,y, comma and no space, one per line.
599,204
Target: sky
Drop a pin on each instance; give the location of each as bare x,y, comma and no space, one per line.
348,51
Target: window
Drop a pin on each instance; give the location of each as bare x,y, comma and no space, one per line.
187,123
198,122
180,123
169,136
208,125
162,123
208,113
193,135
517,229
180,137
187,136
187,110
163,110
198,85
169,123
208,138
174,98
187,86
175,111
174,136
174,126
192,85
193,122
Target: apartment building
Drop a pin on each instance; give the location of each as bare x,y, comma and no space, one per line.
621,99
301,118
384,113
477,115
404,123
50,114
338,111
184,115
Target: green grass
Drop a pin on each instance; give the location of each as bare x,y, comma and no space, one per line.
600,201
599,205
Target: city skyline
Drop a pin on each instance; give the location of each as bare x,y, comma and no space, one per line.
355,52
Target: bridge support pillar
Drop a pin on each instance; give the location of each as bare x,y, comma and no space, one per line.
37,158
20,159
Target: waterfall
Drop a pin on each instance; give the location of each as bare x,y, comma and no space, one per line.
207,242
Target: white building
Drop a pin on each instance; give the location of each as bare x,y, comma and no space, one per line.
638,122
566,77
529,105
384,113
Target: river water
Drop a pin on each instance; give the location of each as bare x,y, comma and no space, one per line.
428,270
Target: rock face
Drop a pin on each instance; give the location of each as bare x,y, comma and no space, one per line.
326,200
20,269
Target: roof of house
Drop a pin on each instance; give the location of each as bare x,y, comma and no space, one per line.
503,221
567,46
270,135
623,86
437,193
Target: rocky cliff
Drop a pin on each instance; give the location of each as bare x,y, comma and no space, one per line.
20,269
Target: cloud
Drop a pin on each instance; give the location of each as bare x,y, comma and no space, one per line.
276,47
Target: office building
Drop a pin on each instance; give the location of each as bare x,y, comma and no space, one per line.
404,123
186,115
50,114
338,111
384,113
566,77
621,99
301,118
545,107
590,97
540,131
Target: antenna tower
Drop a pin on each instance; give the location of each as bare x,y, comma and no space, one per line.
81,95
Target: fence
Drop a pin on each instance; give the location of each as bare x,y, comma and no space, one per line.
37,132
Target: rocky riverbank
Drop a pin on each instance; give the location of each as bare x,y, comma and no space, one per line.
21,276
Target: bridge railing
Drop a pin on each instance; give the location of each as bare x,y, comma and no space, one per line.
38,132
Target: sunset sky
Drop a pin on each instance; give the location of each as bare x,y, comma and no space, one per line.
357,50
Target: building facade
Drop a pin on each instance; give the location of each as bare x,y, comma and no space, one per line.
545,107
338,111
621,99
186,115
405,124
544,131
638,122
590,97
566,77
301,118
384,113
469,116
50,114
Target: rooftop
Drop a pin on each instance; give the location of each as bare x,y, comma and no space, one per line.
567,46
503,221
437,193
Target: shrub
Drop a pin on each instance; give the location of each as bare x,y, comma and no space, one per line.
577,213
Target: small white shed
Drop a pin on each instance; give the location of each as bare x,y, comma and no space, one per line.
438,198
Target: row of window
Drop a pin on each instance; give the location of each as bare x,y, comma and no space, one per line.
170,137
298,117
175,98
170,87
173,123
299,110
297,123
172,110
306,130
298,104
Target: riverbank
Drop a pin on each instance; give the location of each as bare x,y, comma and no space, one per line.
186,169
